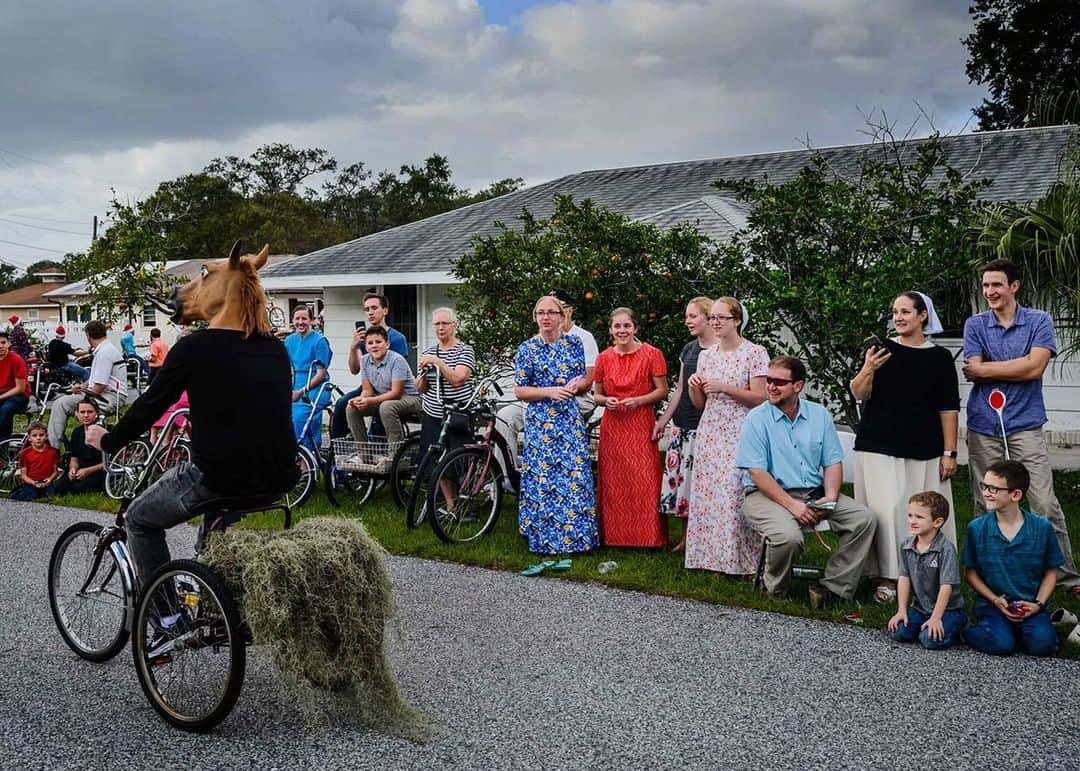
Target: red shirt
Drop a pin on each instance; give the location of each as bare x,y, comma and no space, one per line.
39,465
12,366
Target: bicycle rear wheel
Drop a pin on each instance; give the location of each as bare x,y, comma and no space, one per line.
309,471
122,472
352,487
9,464
403,471
93,621
188,646
471,476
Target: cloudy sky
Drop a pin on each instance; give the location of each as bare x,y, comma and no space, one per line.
122,94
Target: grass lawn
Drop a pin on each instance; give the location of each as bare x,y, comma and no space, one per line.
656,572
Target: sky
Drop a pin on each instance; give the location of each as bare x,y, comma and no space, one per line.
114,97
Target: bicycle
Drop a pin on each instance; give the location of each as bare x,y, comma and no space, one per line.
310,457
362,468
139,463
188,640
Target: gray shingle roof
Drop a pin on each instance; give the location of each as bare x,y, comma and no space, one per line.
1023,163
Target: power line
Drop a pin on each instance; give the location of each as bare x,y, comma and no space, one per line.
31,246
24,157
42,227
45,219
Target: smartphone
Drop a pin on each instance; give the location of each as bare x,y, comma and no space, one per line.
872,342
1015,607
361,324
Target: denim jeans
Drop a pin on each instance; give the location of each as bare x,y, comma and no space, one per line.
339,427
80,372
953,622
8,408
166,503
995,634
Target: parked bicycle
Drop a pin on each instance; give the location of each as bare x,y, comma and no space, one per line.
141,463
188,639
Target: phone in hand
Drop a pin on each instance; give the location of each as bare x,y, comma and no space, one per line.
872,342
361,324
1015,607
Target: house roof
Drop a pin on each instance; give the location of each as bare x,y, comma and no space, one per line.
29,296
1022,163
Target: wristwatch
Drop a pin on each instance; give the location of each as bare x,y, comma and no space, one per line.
1040,603
949,454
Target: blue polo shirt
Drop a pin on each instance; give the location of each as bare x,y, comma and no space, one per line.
1014,568
793,452
984,336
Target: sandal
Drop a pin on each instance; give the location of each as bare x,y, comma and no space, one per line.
561,566
538,568
884,594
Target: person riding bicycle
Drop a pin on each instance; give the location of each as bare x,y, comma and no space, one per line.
237,377
59,355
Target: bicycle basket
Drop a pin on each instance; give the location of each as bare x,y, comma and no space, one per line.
365,457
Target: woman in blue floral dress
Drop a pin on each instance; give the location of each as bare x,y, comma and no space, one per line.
557,502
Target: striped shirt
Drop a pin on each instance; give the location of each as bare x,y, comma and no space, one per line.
439,390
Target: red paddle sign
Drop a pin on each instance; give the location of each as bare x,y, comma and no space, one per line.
996,400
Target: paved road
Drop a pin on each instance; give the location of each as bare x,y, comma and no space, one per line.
542,673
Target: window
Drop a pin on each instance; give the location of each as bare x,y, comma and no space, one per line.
149,316
31,314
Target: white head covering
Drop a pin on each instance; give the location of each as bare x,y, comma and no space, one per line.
745,318
933,323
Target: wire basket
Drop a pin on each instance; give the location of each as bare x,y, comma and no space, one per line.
365,457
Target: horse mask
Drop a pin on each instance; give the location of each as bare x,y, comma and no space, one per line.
227,294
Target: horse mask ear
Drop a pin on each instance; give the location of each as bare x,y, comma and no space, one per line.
260,258
234,255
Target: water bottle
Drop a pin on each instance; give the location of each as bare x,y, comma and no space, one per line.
606,567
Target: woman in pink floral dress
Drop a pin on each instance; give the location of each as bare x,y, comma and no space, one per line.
729,382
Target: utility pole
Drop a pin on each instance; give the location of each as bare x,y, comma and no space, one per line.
93,238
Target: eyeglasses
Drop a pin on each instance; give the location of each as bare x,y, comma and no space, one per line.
992,489
442,323
778,381
713,317
548,312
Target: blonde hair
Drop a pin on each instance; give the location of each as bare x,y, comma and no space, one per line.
703,304
736,309
554,299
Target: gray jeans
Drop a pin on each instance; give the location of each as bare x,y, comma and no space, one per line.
166,503
1029,448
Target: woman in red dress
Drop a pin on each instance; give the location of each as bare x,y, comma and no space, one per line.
630,380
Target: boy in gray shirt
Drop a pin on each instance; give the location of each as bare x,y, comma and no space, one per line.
930,606
388,390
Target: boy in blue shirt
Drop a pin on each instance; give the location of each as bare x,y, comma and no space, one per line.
929,578
1012,560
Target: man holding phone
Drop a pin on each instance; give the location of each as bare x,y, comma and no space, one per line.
376,309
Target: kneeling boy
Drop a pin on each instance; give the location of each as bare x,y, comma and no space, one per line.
929,578
1012,561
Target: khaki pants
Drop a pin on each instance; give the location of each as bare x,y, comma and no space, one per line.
853,524
390,413
1029,448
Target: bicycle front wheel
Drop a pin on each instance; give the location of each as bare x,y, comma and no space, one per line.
470,478
351,487
403,471
89,598
9,464
124,469
309,471
417,510
188,646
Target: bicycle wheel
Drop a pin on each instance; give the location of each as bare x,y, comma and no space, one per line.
309,471
124,468
188,646
178,454
403,471
9,463
93,621
471,476
416,510
350,487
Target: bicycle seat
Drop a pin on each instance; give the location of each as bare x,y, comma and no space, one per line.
237,503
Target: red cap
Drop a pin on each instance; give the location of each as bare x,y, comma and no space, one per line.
60,331
128,327
13,319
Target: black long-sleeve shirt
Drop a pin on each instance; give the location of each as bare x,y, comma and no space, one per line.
241,405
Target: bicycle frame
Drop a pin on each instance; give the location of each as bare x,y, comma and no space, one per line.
138,473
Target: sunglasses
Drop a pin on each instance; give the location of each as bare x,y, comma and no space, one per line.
778,381
992,489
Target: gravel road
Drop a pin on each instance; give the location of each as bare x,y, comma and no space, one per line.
542,673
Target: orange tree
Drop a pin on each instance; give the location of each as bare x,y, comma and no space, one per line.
600,257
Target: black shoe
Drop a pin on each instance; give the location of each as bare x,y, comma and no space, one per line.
822,596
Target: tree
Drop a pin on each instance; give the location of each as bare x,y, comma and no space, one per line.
274,168
29,275
601,258
824,255
1043,237
7,277
1027,53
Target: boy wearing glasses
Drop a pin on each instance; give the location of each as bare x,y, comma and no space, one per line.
1012,560
793,465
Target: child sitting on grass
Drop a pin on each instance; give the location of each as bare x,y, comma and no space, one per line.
1011,560
86,471
38,465
929,578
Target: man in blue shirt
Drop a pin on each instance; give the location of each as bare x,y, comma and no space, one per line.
793,466
1008,348
376,308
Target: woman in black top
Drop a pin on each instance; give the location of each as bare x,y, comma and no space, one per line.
684,417
906,442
